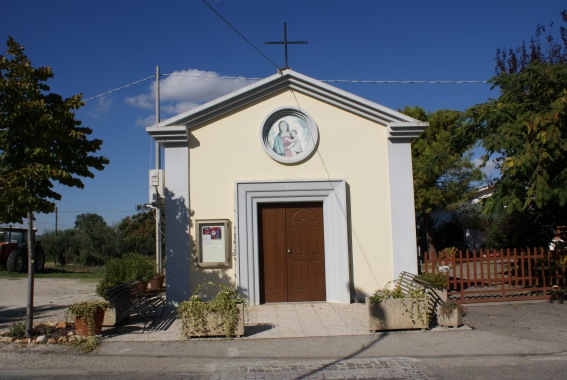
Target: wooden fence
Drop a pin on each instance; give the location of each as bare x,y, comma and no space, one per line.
501,275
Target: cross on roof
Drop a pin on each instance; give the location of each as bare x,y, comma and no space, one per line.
285,42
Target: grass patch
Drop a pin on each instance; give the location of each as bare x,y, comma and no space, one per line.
72,271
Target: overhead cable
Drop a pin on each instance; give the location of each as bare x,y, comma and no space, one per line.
119,88
321,80
240,34
207,76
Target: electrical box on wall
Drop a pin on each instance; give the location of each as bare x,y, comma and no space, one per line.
157,187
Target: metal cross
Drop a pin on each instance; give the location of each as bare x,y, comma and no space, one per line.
285,42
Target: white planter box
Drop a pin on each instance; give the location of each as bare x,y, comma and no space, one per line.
214,326
398,314
454,320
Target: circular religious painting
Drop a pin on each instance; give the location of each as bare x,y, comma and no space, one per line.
289,135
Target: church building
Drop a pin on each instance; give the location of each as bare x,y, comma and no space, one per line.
289,189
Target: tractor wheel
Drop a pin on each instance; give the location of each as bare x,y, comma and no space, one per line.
16,262
39,259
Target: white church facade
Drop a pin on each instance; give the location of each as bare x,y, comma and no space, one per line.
289,189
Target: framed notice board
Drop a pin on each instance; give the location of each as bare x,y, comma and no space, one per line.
213,243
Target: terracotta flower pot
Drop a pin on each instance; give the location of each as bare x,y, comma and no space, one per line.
142,286
82,326
157,282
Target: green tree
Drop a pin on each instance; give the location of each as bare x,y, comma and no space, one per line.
136,234
95,241
525,130
543,47
443,174
528,229
41,142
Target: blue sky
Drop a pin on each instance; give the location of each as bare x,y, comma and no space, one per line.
97,46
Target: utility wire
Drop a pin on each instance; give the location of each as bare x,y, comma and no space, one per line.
240,34
405,81
344,80
321,80
207,76
119,88
95,211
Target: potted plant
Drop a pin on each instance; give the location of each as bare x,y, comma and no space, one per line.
450,314
222,315
392,309
143,271
129,267
89,316
156,282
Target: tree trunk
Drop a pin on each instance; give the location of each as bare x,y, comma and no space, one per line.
31,270
431,248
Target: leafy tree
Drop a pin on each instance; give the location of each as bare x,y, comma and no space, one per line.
97,240
41,142
548,50
443,174
136,234
528,229
525,131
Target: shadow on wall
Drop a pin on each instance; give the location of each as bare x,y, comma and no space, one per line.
198,275
350,285
177,219
201,276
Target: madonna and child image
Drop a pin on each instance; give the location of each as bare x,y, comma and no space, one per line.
290,136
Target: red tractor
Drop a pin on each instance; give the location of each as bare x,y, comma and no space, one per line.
14,250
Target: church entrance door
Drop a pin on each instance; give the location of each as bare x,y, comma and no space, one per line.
292,252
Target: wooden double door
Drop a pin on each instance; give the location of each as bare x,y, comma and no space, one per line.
292,252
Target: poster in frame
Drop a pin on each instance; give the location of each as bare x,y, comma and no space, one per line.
213,243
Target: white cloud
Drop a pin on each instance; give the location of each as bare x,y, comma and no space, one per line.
489,169
176,108
143,101
145,121
99,107
183,90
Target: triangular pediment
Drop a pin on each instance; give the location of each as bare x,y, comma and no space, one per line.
175,128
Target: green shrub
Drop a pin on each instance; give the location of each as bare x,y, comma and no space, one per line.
193,312
437,281
18,330
130,267
386,293
446,309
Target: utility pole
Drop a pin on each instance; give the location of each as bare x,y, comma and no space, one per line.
158,166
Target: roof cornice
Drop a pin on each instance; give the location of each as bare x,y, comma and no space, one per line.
174,129
287,79
404,131
172,134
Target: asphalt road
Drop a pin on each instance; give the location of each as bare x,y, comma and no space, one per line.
507,341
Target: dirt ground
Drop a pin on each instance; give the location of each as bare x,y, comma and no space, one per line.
51,297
